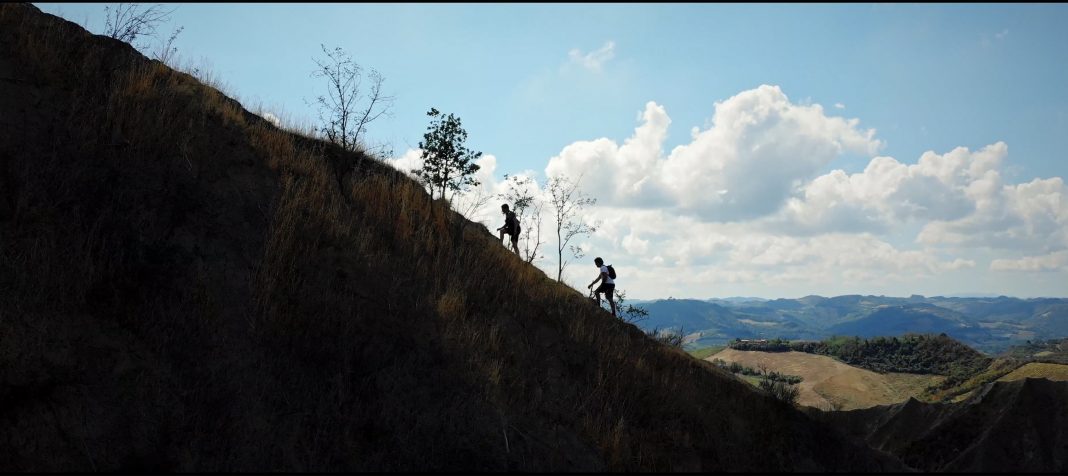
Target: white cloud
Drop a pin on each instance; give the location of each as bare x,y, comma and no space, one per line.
1057,261
409,161
273,119
839,105
682,257
741,208
889,193
759,149
595,59
1031,216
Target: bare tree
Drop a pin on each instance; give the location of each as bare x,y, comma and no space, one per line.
629,313
527,209
470,203
127,22
567,201
346,109
167,51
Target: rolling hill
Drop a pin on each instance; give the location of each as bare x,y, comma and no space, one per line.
913,318
1038,370
830,384
989,324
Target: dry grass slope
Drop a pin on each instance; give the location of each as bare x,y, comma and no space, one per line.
829,384
185,287
1038,370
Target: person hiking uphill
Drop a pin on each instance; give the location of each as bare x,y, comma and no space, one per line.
511,227
608,285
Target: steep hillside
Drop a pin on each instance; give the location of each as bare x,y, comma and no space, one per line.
184,287
1012,427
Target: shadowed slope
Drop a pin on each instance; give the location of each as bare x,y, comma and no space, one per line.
1016,426
185,287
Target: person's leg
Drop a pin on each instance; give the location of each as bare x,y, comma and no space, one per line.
602,289
611,302
515,245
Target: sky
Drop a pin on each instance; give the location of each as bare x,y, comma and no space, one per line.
734,149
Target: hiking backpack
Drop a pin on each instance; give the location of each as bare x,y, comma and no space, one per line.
514,231
611,272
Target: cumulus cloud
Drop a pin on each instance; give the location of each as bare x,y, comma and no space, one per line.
595,59
1057,261
744,205
759,149
888,193
677,255
1032,215
273,119
407,162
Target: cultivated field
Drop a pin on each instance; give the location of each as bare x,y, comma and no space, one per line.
829,383
1038,369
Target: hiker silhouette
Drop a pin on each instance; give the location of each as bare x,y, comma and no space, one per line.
608,285
511,227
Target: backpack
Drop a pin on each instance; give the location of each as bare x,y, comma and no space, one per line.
514,231
611,272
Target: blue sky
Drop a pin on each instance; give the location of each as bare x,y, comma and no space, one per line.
530,80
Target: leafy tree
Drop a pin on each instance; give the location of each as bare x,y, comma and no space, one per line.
346,109
567,201
447,163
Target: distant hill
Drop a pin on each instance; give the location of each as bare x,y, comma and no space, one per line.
716,323
1048,350
913,318
988,324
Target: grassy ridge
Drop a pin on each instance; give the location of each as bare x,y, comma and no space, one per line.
911,353
1038,370
705,352
830,384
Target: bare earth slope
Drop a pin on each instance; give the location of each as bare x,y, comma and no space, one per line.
828,383
184,287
